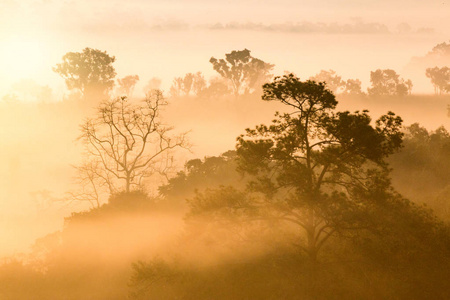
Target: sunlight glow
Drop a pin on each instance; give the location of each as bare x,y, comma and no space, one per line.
21,57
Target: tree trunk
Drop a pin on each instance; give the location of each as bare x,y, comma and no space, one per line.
311,248
128,182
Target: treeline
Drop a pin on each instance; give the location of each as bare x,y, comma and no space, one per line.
91,74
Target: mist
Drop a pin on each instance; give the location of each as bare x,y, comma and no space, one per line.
212,150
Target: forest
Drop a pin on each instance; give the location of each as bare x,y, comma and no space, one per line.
320,188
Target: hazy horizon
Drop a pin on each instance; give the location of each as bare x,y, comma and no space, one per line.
146,36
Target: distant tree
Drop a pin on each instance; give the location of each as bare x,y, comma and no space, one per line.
127,84
194,83
353,87
177,88
244,72
442,50
90,71
188,80
28,90
388,83
337,85
438,56
11,98
440,78
333,81
198,84
409,86
217,87
152,84
127,142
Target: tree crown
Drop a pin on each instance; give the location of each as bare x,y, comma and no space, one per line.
87,70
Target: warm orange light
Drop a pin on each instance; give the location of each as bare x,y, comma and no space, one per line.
21,57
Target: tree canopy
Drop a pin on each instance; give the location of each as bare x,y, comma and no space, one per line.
333,81
311,166
90,71
388,83
190,83
127,84
440,78
336,84
244,72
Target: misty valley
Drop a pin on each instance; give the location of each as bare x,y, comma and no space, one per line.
246,184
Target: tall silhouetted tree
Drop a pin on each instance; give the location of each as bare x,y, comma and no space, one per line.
244,72
315,168
311,163
388,83
90,71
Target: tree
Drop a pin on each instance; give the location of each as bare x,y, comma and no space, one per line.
244,72
194,83
128,142
91,72
333,81
313,165
29,91
211,172
409,85
439,56
198,84
218,87
440,78
441,50
353,87
388,83
427,179
337,85
127,84
91,182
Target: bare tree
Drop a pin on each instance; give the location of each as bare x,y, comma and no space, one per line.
127,142
92,183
